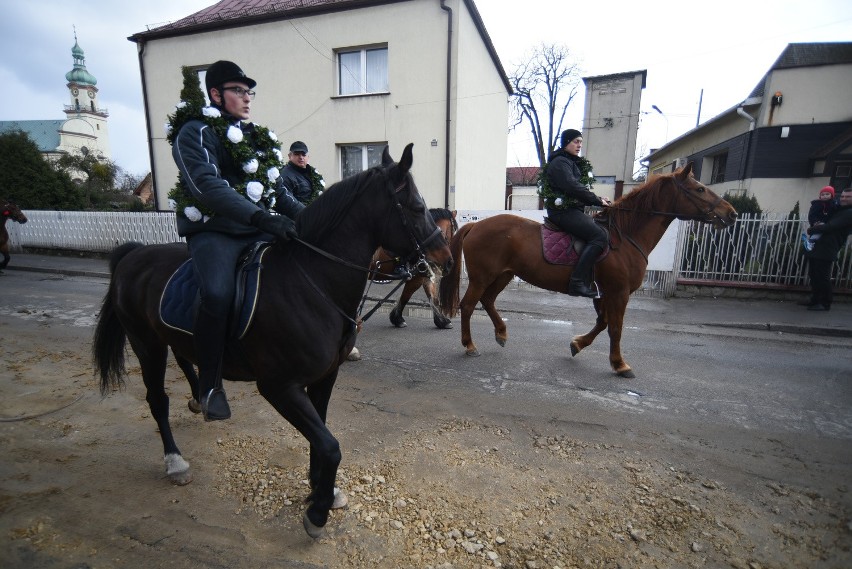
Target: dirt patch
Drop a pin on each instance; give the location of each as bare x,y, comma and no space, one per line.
434,479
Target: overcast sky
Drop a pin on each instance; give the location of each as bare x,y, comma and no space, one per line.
723,47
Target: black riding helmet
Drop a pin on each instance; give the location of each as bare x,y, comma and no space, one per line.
223,71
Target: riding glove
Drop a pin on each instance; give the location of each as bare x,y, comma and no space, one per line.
280,226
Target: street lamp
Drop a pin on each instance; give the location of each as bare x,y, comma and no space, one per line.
656,108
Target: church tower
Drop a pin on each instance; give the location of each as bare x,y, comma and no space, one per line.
85,128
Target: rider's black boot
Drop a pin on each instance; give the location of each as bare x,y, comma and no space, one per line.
582,273
209,340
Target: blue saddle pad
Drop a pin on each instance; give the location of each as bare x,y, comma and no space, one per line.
180,300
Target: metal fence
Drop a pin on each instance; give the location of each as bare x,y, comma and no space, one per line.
759,252
97,232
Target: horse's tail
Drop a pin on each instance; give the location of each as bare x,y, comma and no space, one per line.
110,336
449,288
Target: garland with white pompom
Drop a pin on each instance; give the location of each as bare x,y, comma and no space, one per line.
253,148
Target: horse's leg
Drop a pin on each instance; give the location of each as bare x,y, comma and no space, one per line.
152,357
4,248
488,299
439,319
395,316
616,306
580,342
292,402
192,378
320,394
466,307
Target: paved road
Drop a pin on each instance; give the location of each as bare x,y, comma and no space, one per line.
752,398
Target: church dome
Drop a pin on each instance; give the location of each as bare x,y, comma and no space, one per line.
79,74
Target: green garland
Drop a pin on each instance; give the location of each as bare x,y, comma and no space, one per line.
554,200
253,148
317,184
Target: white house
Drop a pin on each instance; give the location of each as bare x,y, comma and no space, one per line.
790,137
348,77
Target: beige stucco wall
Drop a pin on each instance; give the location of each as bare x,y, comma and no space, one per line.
809,94
480,126
294,64
611,124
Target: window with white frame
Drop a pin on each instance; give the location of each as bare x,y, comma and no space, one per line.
362,71
356,158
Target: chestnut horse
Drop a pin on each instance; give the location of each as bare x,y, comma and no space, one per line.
13,212
500,247
384,263
304,323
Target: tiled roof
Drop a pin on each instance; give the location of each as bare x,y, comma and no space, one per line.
230,13
807,55
522,175
44,133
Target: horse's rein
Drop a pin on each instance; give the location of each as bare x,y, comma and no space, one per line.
705,216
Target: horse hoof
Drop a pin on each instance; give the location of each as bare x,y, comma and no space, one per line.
628,373
315,532
473,353
574,349
341,500
354,355
501,341
194,406
444,325
177,469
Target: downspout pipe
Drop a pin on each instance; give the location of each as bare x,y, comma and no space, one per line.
447,111
140,51
744,161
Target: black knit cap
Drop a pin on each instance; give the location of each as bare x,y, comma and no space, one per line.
568,136
223,71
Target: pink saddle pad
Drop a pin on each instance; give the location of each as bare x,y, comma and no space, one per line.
560,248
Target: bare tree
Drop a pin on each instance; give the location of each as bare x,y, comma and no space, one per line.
545,84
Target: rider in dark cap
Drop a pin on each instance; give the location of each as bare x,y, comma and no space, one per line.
233,217
567,211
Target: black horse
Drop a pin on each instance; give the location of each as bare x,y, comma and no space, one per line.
13,212
304,325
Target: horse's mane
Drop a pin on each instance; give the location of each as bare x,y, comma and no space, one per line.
327,211
439,213
639,200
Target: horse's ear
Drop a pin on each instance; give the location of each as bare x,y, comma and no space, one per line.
407,158
683,173
454,213
386,157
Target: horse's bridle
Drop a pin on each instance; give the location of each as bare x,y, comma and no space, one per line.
706,216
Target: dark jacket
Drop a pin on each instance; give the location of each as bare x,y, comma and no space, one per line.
833,234
563,176
821,210
298,181
209,174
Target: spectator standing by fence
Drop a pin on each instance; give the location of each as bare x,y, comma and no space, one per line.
821,210
833,235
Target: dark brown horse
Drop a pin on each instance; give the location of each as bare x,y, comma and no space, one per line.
385,263
13,212
500,247
304,324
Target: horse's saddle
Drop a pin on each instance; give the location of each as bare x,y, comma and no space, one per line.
560,248
180,300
